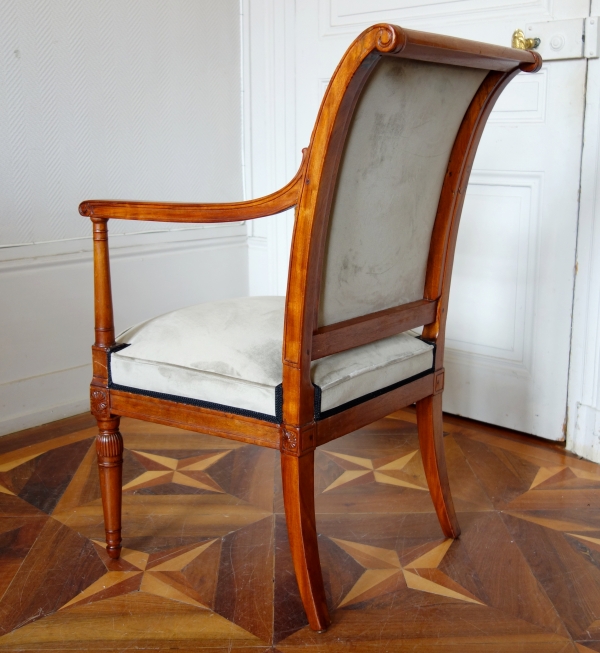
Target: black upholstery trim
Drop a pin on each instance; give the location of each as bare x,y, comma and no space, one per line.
279,403
317,402
377,393
274,419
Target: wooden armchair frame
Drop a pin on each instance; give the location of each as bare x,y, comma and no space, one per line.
311,192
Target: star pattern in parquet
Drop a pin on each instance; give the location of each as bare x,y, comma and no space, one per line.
384,573
164,574
206,564
358,471
189,471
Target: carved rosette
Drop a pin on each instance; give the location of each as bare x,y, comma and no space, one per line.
99,401
297,441
289,441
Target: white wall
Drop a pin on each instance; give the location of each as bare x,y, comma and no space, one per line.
108,99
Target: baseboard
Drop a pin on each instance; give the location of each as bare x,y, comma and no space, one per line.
31,402
584,440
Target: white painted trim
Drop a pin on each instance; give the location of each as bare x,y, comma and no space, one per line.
333,23
583,420
34,253
271,154
125,251
246,86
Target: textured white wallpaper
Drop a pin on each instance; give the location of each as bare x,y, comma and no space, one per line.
134,99
117,99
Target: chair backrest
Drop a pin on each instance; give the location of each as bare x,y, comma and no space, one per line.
388,187
382,189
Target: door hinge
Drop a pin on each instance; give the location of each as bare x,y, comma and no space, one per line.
577,38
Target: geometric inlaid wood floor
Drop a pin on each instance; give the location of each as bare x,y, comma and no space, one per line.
206,564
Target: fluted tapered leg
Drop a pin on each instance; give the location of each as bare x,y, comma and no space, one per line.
299,500
431,441
109,447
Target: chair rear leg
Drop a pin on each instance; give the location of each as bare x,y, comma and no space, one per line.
431,442
109,447
299,500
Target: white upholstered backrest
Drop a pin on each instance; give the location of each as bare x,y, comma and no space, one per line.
389,185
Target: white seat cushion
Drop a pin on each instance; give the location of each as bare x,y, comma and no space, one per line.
227,355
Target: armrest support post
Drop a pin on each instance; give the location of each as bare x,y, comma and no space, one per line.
103,309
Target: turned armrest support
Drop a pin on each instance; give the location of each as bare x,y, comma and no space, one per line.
99,211
103,307
276,202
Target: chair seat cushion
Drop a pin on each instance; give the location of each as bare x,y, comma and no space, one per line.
227,355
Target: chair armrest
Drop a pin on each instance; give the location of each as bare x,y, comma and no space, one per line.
276,202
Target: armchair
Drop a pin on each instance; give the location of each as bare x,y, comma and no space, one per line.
378,200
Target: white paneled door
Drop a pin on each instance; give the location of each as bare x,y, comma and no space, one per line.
511,301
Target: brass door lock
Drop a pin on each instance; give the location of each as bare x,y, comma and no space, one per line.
521,43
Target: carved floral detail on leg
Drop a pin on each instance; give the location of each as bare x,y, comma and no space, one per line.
289,441
109,447
98,401
297,440
109,444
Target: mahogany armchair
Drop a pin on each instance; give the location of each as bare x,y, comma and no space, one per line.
378,200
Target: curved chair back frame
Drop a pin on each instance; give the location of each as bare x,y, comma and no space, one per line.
304,341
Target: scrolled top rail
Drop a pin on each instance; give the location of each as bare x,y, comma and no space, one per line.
412,44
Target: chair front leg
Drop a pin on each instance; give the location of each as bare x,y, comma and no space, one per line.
299,500
109,447
431,442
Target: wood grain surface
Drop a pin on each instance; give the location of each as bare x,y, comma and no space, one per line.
206,563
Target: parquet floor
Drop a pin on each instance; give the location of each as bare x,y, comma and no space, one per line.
207,567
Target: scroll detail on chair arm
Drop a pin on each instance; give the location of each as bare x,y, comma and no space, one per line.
276,202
